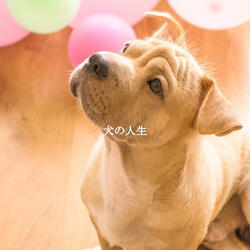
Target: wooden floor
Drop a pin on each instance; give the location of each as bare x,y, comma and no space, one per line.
45,140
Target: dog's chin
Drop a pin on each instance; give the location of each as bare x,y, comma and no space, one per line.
96,113
94,102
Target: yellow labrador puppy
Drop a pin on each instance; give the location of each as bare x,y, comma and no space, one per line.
167,162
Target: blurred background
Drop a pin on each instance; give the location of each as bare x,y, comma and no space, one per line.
45,139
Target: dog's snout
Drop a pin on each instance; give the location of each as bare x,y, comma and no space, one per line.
98,64
73,86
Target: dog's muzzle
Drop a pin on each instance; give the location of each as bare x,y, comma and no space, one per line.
97,64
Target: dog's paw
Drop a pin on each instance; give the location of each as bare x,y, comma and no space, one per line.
216,233
94,248
230,243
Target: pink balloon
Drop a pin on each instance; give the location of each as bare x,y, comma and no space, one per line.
129,10
100,32
10,30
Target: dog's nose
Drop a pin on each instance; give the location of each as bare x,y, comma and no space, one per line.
98,64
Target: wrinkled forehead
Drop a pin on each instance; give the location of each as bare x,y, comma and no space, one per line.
177,60
154,47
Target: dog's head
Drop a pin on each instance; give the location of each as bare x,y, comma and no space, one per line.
153,83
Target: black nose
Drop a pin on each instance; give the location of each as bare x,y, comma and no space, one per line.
98,64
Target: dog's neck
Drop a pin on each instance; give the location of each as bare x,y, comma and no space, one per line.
156,164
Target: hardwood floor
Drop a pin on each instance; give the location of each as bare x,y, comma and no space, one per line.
45,139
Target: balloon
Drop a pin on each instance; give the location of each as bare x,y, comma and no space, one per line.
215,14
98,33
10,30
129,10
43,16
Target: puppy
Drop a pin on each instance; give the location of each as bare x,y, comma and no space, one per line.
162,184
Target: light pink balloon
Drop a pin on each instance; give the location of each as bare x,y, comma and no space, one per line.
10,30
213,14
100,32
129,10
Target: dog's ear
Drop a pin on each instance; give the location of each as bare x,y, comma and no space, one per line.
172,32
216,114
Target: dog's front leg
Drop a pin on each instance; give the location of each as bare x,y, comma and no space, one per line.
103,242
244,233
245,201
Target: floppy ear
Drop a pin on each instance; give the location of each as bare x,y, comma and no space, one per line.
216,114
174,32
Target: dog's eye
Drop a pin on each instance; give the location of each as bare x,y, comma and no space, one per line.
125,47
155,86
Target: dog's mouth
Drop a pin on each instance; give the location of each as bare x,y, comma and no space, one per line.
95,101
92,91
77,77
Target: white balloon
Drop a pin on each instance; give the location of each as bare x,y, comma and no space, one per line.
213,14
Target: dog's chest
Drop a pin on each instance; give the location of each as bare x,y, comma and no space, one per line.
128,212
126,208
